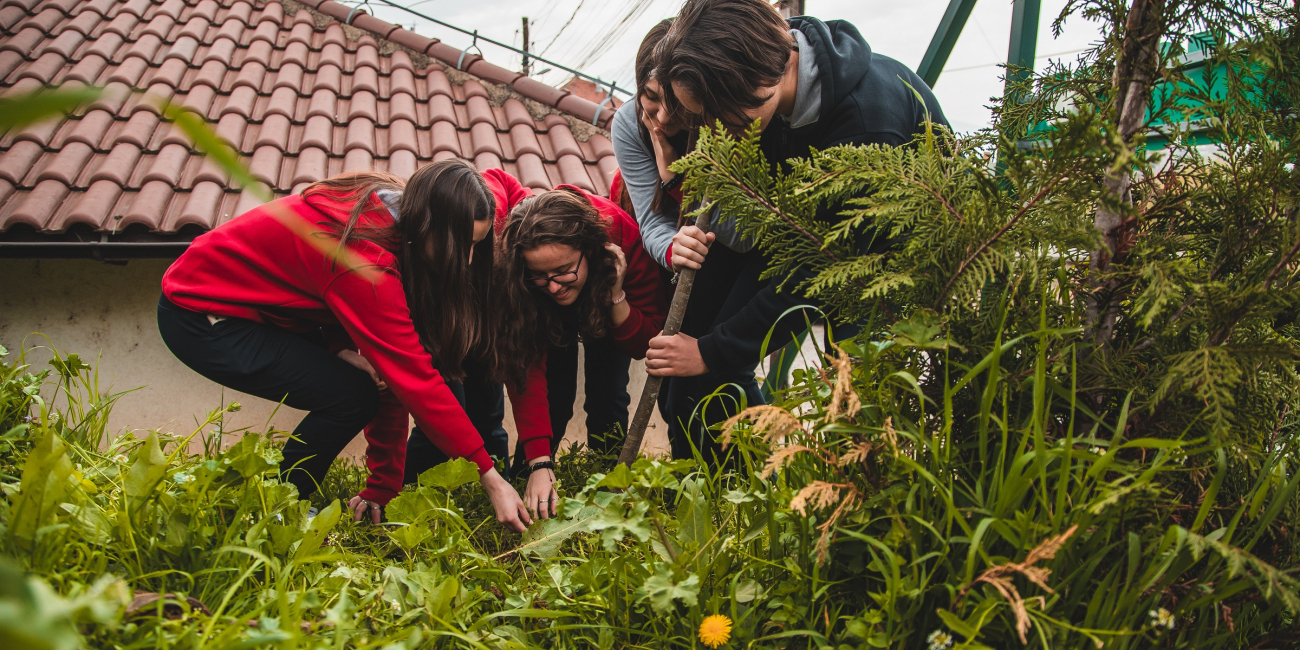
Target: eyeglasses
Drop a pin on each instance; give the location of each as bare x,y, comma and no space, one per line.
566,278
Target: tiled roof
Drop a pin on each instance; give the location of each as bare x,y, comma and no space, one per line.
300,96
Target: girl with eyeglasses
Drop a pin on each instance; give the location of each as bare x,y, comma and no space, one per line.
573,269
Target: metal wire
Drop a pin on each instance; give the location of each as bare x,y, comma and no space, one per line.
478,37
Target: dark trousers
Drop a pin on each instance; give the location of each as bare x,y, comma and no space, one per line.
605,377
282,366
484,402
725,284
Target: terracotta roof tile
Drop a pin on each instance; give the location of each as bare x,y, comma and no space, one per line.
67,165
92,208
297,101
312,163
402,163
65,44
265,164
202,205
37,206
149,206
10,15
445,138
319,132
90,129
118,166
365,78
223,49
20,158
442,109
480,111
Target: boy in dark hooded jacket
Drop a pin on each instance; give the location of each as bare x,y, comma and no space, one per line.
811,84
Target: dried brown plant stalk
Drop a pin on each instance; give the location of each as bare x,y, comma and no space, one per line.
1001,576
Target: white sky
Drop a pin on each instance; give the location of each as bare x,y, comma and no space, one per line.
593,42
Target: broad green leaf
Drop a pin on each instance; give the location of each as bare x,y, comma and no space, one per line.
251,456
544,538
450,475
619,479
409,536
146,473
46,480
661,590
694,516
957,625
316,531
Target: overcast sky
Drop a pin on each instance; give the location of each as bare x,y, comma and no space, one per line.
602,36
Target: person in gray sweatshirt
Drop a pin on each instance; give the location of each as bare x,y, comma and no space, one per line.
648,138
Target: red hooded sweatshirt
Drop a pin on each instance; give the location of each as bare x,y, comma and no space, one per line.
647,294
266,266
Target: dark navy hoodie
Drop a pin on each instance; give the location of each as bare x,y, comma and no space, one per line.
865,99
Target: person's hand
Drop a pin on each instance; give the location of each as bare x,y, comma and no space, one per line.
359,506
620,269
360,362
509,507
665,154
539,494
690,245
674,356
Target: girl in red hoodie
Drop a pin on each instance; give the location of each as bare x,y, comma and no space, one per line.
573,268
329,303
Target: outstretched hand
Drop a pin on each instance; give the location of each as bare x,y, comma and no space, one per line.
359,507
509,507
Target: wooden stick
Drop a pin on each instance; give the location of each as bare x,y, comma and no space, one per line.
673,325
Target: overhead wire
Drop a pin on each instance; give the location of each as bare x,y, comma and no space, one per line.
564,27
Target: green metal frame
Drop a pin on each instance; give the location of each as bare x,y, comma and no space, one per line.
954,19
1021,52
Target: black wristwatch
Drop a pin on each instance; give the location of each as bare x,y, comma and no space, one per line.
672,183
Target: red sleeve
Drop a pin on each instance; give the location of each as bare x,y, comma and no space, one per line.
508,193
386,460
646,295
532,413
376,317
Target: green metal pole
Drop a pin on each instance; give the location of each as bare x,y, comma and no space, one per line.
1024,37
945,37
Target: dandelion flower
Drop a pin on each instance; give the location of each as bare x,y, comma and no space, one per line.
1162,618
939,640
715,630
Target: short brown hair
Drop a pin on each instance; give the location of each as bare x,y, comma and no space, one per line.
724,52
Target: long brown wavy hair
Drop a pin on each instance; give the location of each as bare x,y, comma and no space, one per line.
560,216
449,297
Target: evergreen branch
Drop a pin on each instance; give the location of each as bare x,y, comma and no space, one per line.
938,197
757,198
966,263
1286,259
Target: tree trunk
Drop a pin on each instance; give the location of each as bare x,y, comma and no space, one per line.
1135,70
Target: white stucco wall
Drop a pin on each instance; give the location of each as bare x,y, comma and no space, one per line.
107,311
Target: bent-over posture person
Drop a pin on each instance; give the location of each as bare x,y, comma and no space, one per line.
573,269
809,84
327,302
570,268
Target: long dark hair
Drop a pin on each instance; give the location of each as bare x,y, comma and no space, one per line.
448,298
645,69
560,216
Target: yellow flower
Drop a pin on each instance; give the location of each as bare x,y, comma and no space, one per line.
715,630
